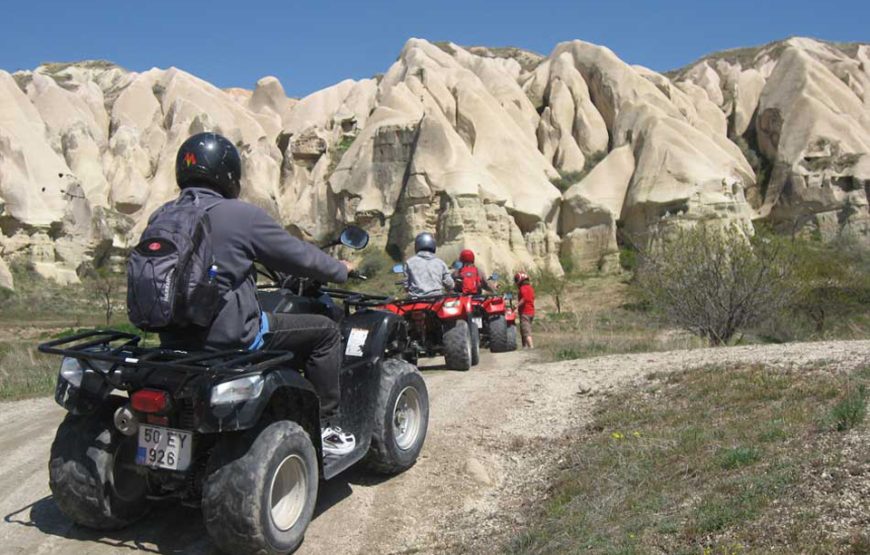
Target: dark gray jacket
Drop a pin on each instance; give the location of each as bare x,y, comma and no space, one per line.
242,234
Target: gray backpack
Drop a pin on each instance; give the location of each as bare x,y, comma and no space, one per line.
171,273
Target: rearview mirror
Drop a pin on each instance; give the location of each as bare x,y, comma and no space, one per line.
494,276
399,269
457,265
508,296
354,237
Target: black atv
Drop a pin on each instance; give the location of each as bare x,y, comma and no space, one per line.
235,432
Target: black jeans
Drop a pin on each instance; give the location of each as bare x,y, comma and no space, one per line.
316,340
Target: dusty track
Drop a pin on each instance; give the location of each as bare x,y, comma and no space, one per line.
476,462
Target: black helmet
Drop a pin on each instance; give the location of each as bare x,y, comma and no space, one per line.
209,159
424,242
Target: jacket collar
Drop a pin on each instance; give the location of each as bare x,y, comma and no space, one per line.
202,191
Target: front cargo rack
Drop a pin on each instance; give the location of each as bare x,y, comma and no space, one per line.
122,349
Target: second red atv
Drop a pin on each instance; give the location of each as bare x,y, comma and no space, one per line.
496,322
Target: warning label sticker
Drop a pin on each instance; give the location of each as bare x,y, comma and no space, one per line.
355,342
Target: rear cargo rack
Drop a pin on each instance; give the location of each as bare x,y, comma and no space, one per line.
122,349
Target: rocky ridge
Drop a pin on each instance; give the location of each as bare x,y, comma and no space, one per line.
534,162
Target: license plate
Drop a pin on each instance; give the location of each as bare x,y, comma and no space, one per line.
478,321
164,448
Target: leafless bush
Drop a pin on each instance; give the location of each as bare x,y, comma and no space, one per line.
104,287
715,282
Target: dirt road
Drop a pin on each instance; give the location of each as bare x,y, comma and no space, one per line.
485,453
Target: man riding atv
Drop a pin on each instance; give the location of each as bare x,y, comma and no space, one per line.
208,172
469,279
425,274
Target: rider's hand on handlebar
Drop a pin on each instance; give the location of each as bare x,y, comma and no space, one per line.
351,266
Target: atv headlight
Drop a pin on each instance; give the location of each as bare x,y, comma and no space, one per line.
71,370
451,303
234,391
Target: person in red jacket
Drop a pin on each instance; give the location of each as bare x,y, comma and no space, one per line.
526,308
467,277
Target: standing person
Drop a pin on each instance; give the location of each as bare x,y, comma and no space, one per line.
426,274
526,308
208,171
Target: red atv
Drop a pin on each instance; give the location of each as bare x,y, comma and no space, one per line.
496,322
440,325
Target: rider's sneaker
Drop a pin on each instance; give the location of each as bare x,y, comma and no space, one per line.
336,441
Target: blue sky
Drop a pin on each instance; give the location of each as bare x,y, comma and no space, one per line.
314,43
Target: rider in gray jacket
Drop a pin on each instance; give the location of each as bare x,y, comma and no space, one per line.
426,274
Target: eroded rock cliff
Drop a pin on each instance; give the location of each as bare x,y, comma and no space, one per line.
532,161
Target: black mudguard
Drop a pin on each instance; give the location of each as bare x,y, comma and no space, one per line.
367,337
286,383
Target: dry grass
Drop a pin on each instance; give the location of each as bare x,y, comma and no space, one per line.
24,372
718,460
37,310
599,317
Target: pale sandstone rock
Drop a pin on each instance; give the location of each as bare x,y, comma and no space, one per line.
570,128
590,210
685,169
29,168
747,93
6,280
818,131
450,139
437,137
806,102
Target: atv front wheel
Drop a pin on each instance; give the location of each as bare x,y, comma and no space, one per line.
475,343
260,491
89,473
401,418
457,346
498,335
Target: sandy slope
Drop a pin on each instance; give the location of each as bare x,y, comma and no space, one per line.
476,460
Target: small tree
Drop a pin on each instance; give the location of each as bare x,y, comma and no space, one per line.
104,285
715,282
548,283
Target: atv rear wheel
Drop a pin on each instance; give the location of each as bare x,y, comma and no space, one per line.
475,343
457,345
401,418
512,338
260,491
498,335
89,474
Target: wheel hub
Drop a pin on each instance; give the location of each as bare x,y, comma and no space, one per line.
287,492
407,418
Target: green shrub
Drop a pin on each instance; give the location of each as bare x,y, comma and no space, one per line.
850,410
628,259
714,282
375,263
567,179
736,457
344,144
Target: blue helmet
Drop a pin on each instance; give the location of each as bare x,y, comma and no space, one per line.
425,242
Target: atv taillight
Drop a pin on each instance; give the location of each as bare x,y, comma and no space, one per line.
149,401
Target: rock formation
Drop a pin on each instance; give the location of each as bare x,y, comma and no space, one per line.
466,142
800,108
